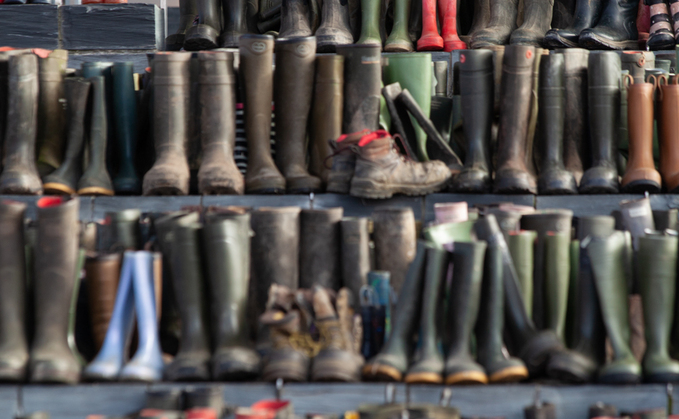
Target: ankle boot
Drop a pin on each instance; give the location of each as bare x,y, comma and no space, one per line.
657,260
476,85
451,40
576,137
147,363
205,34
430,40
640,175
56,256
294,78
326,112
399,38
512,174
96,180
554,178
235,22
64,180
604,98
295,20
319,248
395,242
355,253
335,28
521,246
586,15
256,77
362,87
499,367
609,276
170,172
51,133
218,174
465,294
20,174
500,26
370,23
14,353
188,11
392,361
537,16
126,180
616,28
428,364
669,134
191,362
102,272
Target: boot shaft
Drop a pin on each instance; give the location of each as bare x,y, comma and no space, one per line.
256,78
604,96
22,110
171,86
102,273
395,242
320,247
551,96
218,100
477,91
362,79
668,132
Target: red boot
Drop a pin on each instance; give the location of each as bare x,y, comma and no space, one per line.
430,40
451,41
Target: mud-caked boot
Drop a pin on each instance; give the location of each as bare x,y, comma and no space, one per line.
395,237
319,248
188,11
335,28
205,33
126,180
51,134
537,16
343,162
295,19
362,86
382,172
56,257
616,28
338,359
399,38
502,23
585,16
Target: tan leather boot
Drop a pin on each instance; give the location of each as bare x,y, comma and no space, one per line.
669,134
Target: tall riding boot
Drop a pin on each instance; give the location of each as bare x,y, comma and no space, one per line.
188,10
521,246
294,78
295,20
616,28
554,178
537,17
170,172
319,248
235,22
335,28
604,99
102,273
205,34
14,353
126,180
19,174
463,309
51,129
512,174
227,243
430,40
191,362
499,367
428,365
399,38
370,23
395,241
96,180
451,40
56,256
640,175
64,180
326,112
576,137
587,14
218,173
392,361
669,135
657,270
355,253
500,26
608,267
256,77
477,90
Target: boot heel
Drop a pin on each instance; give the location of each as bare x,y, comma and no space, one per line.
201,37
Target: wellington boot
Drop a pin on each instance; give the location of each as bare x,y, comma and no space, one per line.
103,273
609,276
295,20
235,22
604,99
512,174
19,174
576,137
640,175
362,87
637,62
51,129
205,33
326,112
188,11
657,270
430,40
557,263
637,218
669,134
95,179
399,37
14,352
537,16
355,254
554,179
64,180
294,78
319,248
343,162
126,180
395,237
480,20
335,28
256,78
4,92
428,364
502,23
463,309
170,172
338,358
451,40
666,220
587,14
191,361
56,256
218,174
370,23
521,246
227,243
122,231
499,367
477,90
616,28
392,361
413,72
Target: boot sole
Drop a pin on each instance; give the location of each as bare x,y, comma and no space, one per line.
509,375
424,378
467,377
52,188
597,42
365,188
379,372
95,191
557,41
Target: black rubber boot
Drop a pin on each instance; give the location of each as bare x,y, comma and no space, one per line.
127,180
502,23
319,248
235,22
587,14
616,28
205,34
188,10
537,17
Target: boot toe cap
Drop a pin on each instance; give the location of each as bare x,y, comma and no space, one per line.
428,371
464,371
524,36
188,368
561,38
571,366
385,367
58,370
336,365
599,180
557,182
514,181
472,180
235,364
623,371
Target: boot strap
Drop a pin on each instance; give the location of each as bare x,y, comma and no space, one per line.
652,2
661,17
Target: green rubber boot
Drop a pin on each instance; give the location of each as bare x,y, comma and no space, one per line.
521,248
370,23
399,38
557,277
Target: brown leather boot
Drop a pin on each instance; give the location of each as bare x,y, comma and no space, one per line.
640,175
102,272
669,133
343,162
381,171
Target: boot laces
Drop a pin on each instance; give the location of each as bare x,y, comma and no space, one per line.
337,150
